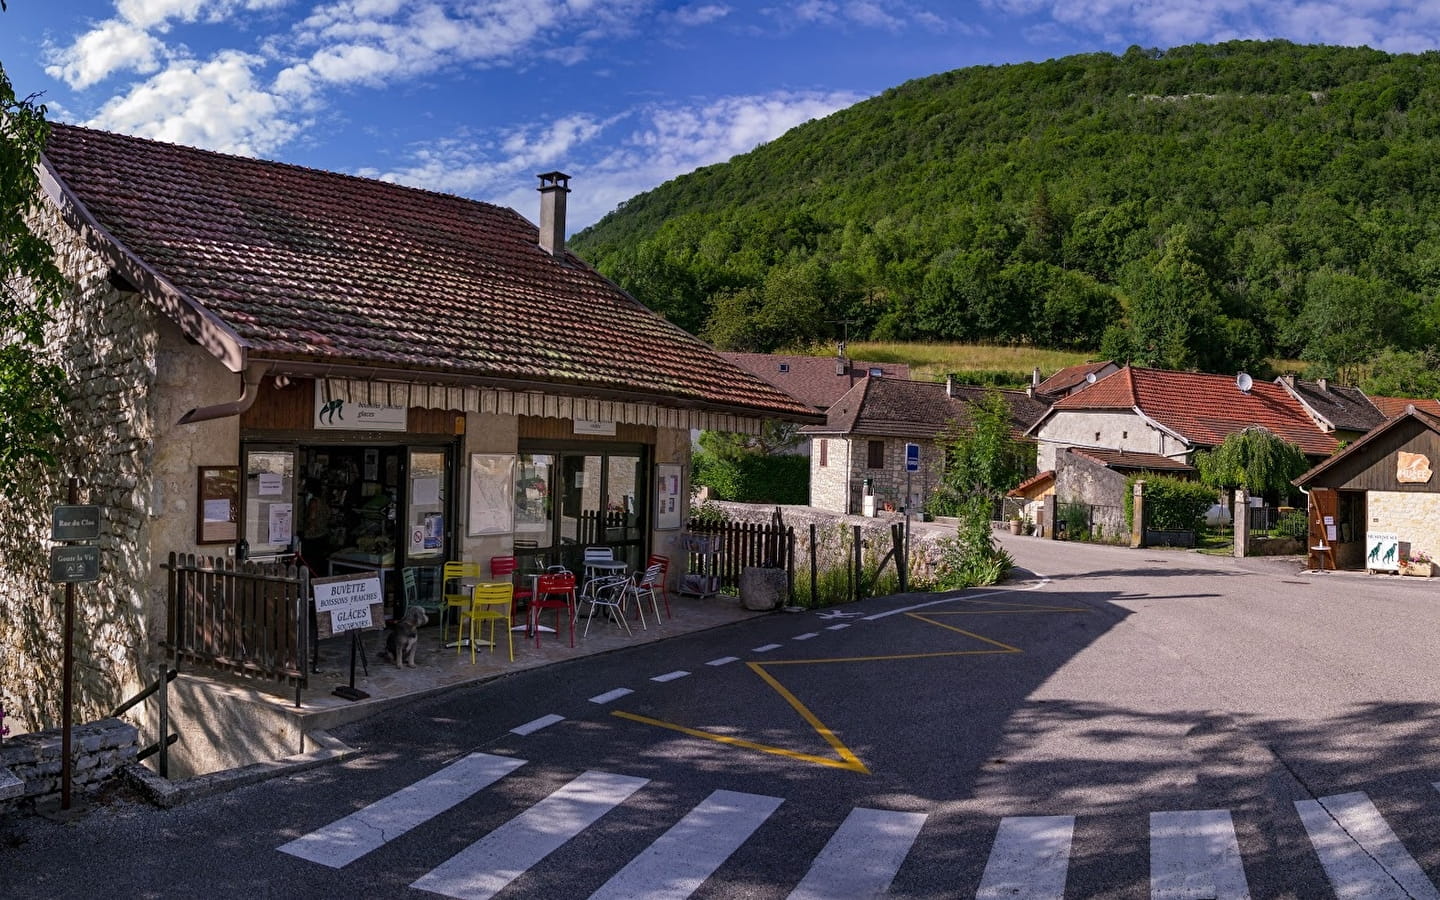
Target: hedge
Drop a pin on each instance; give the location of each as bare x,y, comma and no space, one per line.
756,479
1171,504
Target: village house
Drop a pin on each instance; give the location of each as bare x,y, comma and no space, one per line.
816,381
857,458
248,341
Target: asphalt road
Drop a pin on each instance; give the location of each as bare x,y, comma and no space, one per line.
1131,723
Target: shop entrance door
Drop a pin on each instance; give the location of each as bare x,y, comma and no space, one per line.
600,505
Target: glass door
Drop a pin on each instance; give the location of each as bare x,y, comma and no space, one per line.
427,490
269,498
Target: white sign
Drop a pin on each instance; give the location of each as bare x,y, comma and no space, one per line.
348,600
586,426
347,416
281,530
1382,551
271,484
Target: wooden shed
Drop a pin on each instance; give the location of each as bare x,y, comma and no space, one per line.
1377,502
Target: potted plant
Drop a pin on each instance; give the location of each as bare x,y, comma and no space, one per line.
1418,563
1016,525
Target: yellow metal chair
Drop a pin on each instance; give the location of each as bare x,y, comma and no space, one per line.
491,603
457,596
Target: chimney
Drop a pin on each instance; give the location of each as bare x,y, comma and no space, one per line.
1035,377
950,385
1324,384
553,188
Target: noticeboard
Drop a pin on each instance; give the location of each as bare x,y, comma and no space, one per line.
72,565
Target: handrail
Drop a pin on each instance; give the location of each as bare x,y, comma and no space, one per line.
162,745
140,697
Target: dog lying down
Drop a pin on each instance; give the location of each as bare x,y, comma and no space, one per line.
402,637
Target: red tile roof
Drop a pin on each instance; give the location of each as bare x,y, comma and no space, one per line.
1041,481
318,267
1070,376
1395,406
812,379
1204,409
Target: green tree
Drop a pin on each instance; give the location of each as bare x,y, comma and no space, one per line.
1173,307
1404,373
31,390
1254,459
1345,320
983,457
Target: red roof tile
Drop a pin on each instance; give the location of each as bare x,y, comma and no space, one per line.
1395,406
1070,376
315,266
812,379
1204,409
1041,481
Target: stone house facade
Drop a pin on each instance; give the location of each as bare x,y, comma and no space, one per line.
222,306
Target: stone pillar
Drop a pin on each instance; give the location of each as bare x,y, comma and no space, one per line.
1050,507
1241,521
1137,525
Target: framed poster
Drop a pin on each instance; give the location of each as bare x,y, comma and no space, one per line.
669,505
492,494
218,508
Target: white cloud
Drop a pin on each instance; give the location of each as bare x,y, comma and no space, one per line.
217,105
110,47
700,14
1394,25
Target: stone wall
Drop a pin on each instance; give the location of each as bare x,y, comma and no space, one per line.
1078,480
839,485
30,764
105,341
1414,516
830,483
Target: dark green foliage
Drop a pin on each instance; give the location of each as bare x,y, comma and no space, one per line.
972,557
1171,504
1294,524
995,378
983,457
31,391
1254,459
755,479
1403,373
1204,206
1076,518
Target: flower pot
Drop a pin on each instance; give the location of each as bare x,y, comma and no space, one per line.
1420,570
1016,526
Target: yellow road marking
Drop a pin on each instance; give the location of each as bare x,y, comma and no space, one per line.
847,758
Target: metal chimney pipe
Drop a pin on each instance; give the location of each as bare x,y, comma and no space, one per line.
553,188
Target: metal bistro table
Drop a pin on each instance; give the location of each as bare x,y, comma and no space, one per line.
468,585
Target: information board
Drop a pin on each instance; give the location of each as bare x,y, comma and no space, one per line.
72,565
75,523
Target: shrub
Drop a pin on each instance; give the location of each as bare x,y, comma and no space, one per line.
1076,518
709,514
972,557
755,479
1294,524
1171,504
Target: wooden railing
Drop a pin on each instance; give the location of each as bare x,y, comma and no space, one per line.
251,619
594,525
735,545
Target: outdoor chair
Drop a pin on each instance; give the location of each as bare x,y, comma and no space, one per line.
491,602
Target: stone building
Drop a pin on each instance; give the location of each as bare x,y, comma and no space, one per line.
861,446
442,375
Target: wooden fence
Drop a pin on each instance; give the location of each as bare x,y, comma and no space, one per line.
732,546
251,619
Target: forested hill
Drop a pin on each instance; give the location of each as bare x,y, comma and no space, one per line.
1201,207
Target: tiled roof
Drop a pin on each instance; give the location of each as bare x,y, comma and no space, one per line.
1391,407
1132,461
1345,408
1204,409
1041,481
313,266
812,379
1068,377
915,409
1358,450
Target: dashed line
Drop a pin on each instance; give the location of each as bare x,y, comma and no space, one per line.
805,637
670,676
837,627
766,648
611,695
537,724
723,661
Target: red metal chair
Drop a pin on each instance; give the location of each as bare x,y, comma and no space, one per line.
503,568
664,563
555,591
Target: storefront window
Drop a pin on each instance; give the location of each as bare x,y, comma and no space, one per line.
270,519
425,513
534,525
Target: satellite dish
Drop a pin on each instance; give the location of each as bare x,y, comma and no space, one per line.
1244,382
1089,377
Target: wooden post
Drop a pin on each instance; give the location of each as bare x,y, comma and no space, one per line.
902,558
814,569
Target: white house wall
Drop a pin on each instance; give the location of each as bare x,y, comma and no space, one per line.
1113,430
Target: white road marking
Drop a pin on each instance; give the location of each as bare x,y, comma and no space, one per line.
723,661
805,637
861,859
536,724
670,676
682,858
1029,860
346,840
766,648
611,695
1195,854
837,627
1362,856
483,869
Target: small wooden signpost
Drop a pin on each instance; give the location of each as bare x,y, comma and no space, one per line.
352,603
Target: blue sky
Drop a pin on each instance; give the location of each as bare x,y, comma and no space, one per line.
475,98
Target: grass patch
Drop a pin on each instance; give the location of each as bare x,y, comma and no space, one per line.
931,362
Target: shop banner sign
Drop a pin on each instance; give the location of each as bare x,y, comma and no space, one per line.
348,603
1382,551
343,415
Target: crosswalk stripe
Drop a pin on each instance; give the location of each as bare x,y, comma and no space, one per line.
862,857
1362,856
346,840
611,695
1195,854
766,648
1029,859
723,661
682,858
837,627
535,725
485,867
671,676
806,636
